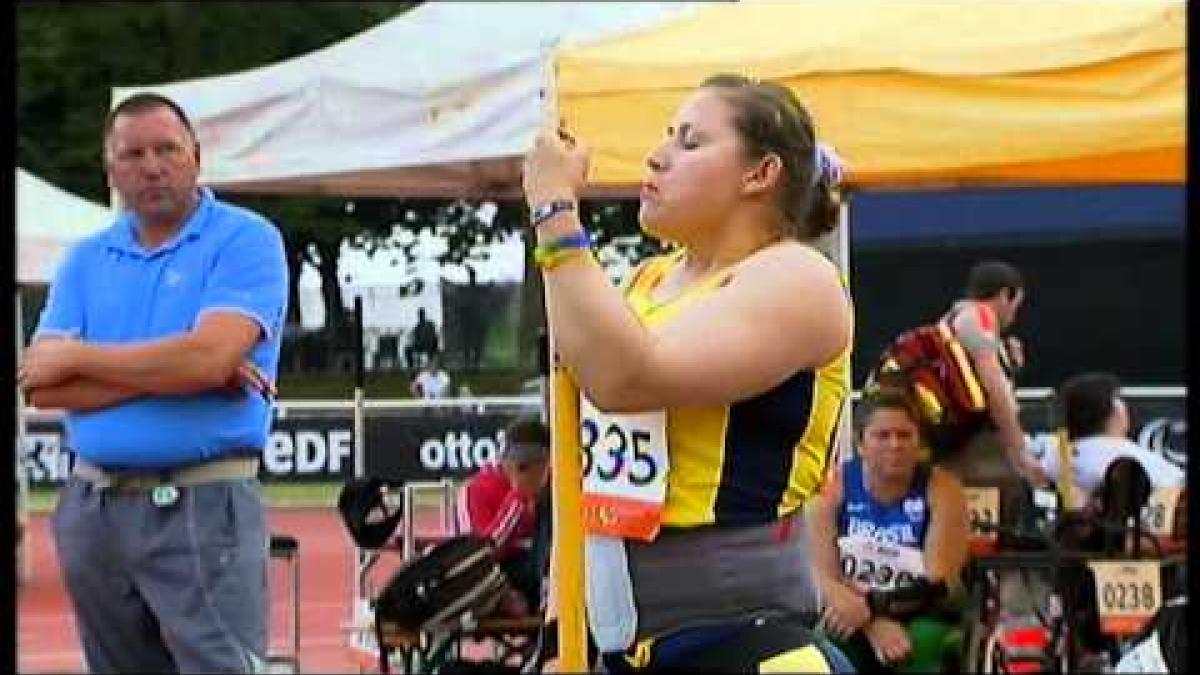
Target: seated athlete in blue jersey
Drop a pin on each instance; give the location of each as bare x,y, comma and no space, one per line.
885,521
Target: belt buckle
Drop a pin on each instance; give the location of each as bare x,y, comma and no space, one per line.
165,495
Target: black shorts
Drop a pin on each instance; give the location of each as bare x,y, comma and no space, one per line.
777,641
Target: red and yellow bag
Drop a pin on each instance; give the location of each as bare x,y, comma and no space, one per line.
934,369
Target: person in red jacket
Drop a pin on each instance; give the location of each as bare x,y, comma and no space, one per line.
502,502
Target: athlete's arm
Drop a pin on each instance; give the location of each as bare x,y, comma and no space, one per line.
1002,406
782,311
845,608
982,344
949,529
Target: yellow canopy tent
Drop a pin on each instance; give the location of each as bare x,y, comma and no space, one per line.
911,93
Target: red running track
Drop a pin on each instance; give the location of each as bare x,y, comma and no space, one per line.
47,641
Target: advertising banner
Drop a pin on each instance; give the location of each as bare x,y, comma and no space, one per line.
315,442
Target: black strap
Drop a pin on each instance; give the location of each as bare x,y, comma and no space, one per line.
907,600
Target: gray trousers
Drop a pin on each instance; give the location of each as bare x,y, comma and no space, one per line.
178,588
712,573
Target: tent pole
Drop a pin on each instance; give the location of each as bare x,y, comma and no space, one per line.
359,604
836,246
843,439
360,451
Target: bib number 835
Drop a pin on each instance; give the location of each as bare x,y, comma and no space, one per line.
606,453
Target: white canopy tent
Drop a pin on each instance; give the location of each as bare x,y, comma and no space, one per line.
49,221
440,101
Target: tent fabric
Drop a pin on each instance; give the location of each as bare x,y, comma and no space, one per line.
913,92
440,101
49,221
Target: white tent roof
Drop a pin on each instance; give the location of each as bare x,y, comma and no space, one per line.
440,101
49,221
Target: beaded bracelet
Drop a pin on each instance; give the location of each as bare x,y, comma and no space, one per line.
551,260
543,213
549,256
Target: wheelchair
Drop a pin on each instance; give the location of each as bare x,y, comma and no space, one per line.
1082,619
390,648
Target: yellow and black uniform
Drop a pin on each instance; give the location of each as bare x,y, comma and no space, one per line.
749,462
733,524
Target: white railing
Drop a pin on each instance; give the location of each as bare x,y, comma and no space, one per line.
533,400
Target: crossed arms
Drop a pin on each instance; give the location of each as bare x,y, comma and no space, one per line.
61,372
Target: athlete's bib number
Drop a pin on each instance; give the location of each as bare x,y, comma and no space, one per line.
1158,516
874,565
983,505
625,468
624,453
1128,593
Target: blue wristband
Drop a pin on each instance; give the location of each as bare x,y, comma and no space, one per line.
578,239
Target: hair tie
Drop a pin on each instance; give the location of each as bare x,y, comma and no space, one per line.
826,164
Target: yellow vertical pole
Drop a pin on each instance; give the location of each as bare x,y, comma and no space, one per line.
566,558
1066,475
566,598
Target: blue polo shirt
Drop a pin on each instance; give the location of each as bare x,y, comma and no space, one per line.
111,290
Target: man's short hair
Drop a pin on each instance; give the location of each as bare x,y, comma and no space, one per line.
142,102
1085,402
988,278
526,440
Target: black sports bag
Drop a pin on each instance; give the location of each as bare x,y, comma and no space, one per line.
456,582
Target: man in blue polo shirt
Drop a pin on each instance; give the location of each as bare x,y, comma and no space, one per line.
160,339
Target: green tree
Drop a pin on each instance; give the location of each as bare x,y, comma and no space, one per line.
69,55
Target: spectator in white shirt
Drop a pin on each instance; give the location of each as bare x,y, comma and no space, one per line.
431,381
1097,424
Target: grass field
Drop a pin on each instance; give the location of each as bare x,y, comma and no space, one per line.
277,495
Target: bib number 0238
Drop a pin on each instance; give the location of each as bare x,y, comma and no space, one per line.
1128,593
